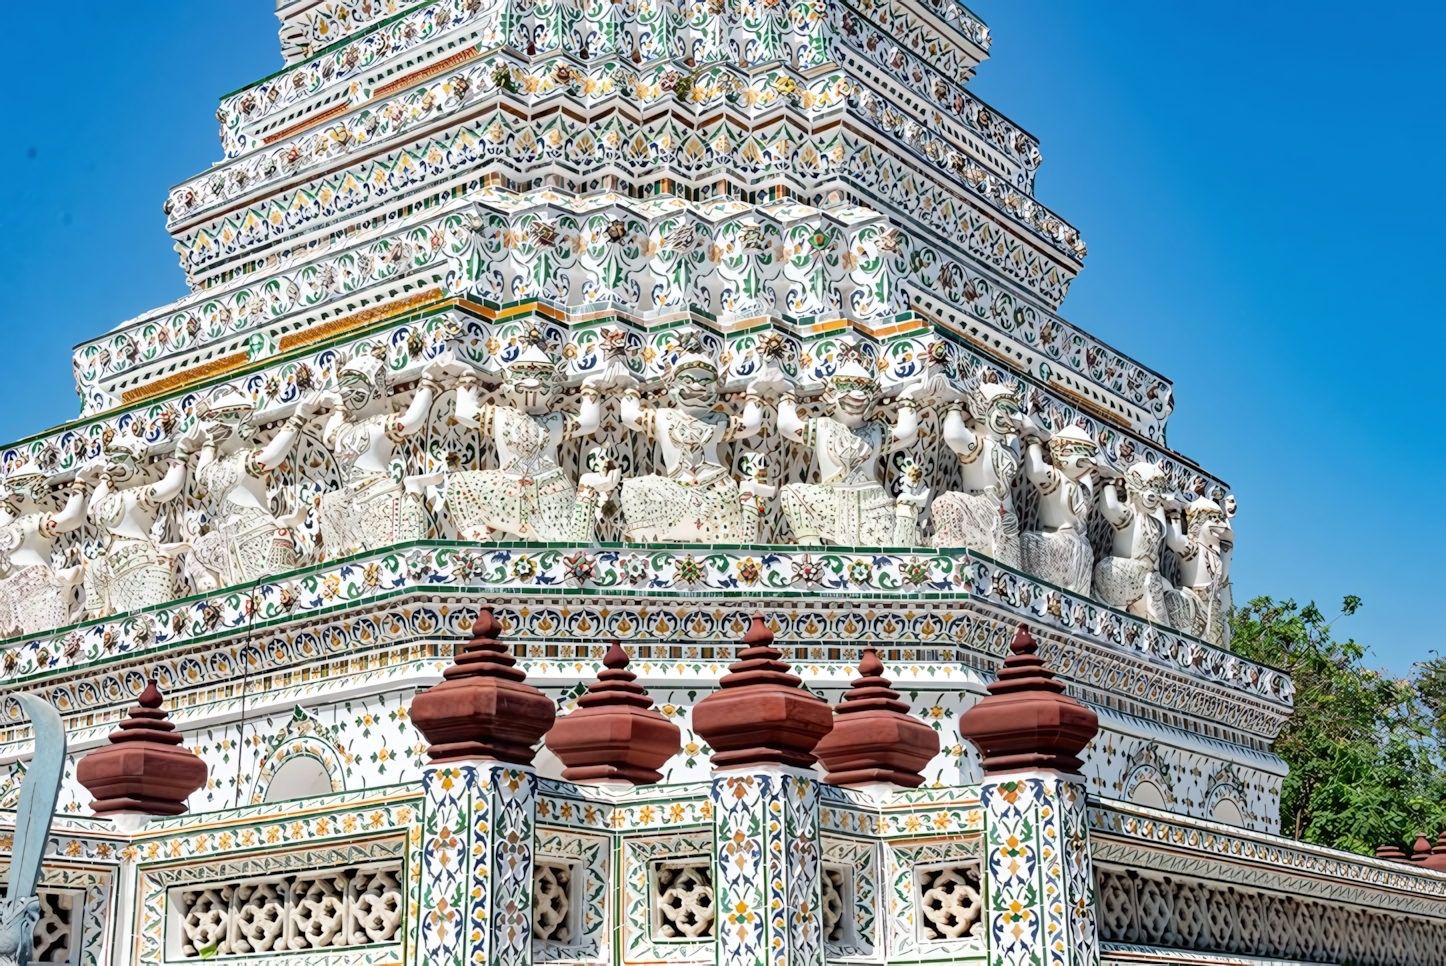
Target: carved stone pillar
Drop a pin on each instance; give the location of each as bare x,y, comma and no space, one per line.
1038,876
765,797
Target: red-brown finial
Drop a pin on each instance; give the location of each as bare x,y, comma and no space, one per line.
143,769
760,715
614,735
1437,859
874,739
151,696
483,708
1391,853
1027,721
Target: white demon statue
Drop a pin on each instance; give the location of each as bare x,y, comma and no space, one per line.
849,505
1197,606
1130,577
134,569
1227,546
1059,551
247,541
372,508
528,496
695,498
982,517
35,595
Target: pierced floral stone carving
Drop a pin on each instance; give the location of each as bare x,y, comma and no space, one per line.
327,910
950,901
552,902
836,888
683,898
1154,910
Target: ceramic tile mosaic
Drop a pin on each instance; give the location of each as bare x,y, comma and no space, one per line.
768,868
1039,886
476,861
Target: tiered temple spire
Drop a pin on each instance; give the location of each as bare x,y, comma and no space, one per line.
874,738
760,714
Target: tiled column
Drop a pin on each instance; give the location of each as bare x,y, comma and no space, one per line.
479,808
768,891
763,727
475,900
1038,877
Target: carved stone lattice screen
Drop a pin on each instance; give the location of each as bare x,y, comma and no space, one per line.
1152,910
836,889
683,898
313,910
950,900
552,902
57,930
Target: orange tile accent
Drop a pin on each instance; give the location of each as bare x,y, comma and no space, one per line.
295,340
186,376
431,70
305,123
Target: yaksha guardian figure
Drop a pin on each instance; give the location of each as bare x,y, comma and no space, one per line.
694,499
134,570
35,595
1130,577
1059,551
528,496
982,517
248,541
1227,547
1196,608
373,509
848,505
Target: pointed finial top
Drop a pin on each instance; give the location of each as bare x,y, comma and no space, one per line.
151,697
616,658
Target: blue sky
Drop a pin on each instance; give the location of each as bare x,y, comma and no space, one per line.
1259,185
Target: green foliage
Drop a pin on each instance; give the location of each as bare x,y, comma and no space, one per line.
1365,751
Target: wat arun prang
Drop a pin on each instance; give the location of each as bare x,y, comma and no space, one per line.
570,405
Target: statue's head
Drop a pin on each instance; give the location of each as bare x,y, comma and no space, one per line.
122,458
23,488
693,381
229,415
1226,501
1205,521
531,380
362,379
1146,484
1073,451
995,404
852,390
